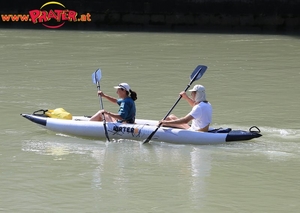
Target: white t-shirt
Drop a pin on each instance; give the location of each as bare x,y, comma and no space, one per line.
202,114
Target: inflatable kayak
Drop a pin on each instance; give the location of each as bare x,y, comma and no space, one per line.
81,126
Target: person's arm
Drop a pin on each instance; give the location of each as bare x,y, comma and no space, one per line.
184,120
110,98
114,115
187,98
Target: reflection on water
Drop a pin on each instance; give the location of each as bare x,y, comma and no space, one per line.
113,157
99,156
200,171
127,170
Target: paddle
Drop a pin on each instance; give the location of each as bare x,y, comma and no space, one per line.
96,76
197,74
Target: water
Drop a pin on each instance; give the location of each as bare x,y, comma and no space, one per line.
252,79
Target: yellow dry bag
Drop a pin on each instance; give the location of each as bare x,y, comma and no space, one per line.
59,113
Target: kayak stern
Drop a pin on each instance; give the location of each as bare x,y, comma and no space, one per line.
240,135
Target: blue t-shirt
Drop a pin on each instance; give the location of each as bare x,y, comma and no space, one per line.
127,110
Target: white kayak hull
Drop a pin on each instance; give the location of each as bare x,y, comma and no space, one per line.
81,127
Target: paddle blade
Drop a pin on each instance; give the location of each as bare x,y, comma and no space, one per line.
202,69
96,76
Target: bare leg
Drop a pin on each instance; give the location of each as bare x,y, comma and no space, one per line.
171,117
204,129
98,117
180,126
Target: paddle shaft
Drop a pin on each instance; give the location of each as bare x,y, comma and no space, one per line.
101,102
103,116
151,135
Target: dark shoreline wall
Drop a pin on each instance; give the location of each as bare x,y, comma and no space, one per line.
275,15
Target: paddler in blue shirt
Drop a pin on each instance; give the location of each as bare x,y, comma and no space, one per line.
127,110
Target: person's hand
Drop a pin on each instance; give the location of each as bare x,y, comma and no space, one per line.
100,93
102,111
161,122
183,95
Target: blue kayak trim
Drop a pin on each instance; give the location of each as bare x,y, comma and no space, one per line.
240,135
38,120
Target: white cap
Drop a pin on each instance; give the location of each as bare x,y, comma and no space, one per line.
198,88
200,93
123,86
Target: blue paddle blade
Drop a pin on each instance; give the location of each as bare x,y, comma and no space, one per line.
202,69
96,76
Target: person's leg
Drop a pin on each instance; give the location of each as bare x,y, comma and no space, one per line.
171,117
98,117
204,129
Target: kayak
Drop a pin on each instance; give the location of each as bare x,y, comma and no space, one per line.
80,126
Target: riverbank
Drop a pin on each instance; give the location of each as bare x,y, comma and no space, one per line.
196,15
